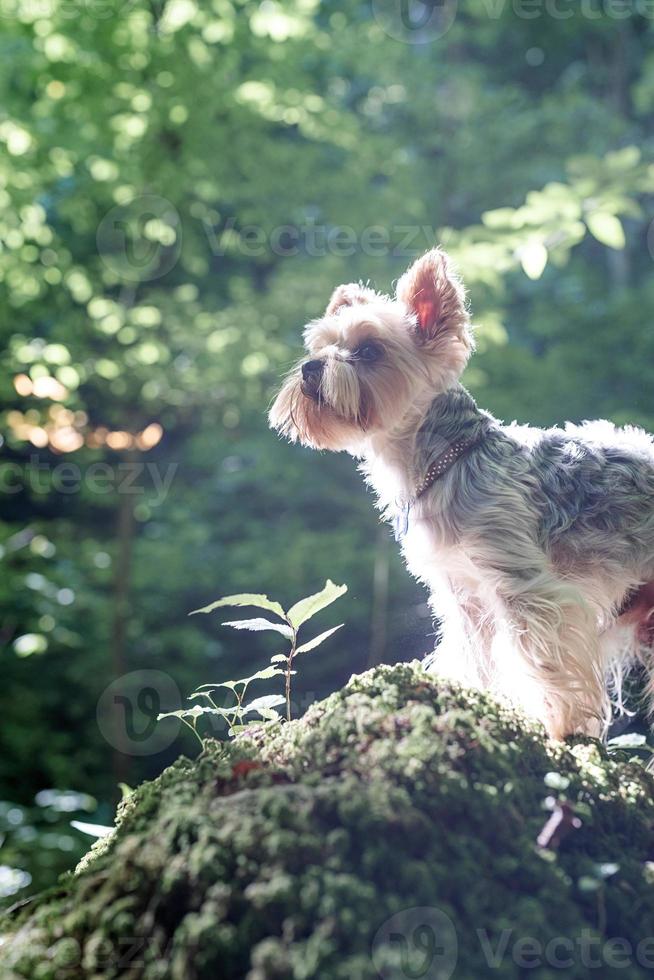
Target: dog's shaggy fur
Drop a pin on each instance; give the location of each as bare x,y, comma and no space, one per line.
537,546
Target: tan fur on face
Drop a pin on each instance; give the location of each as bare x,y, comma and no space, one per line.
357,399
312,423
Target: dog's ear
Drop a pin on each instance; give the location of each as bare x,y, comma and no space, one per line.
348,295
433,292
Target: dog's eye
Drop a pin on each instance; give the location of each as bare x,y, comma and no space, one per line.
368,352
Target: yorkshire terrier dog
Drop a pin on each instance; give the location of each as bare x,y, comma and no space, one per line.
537,546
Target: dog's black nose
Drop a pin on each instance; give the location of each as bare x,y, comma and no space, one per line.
311,370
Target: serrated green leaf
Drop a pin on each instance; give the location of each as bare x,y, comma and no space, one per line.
278,658
91,829
230,685
533,259
195,712
218,710
243,599
261,675
317,640
170,714
258,624
198,710
264,675
306,608
265,703
606,228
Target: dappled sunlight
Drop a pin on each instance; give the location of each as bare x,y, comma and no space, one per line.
65,431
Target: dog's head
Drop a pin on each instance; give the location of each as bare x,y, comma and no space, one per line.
372,360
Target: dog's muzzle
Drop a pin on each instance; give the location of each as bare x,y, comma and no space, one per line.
311,378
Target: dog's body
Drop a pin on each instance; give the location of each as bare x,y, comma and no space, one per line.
537,546
531,545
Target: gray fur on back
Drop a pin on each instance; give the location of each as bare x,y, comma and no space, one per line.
591,485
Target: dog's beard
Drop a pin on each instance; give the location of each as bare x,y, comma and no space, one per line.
345,409
332,418
340,389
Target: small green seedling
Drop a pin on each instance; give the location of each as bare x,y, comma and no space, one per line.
281,664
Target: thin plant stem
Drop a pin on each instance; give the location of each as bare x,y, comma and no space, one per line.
194,730
238,707
289,667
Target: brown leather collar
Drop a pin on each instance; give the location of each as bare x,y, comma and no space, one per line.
444,462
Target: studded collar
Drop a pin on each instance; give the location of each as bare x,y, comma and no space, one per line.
444,462
436,469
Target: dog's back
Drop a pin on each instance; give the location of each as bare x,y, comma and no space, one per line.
598,484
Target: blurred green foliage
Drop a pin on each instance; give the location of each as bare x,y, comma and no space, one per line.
181,187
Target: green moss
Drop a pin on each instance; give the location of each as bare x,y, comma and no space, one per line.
398,793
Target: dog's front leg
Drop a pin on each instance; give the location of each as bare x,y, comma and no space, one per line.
464,648
555,635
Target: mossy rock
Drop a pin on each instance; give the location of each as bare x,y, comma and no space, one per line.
390,832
